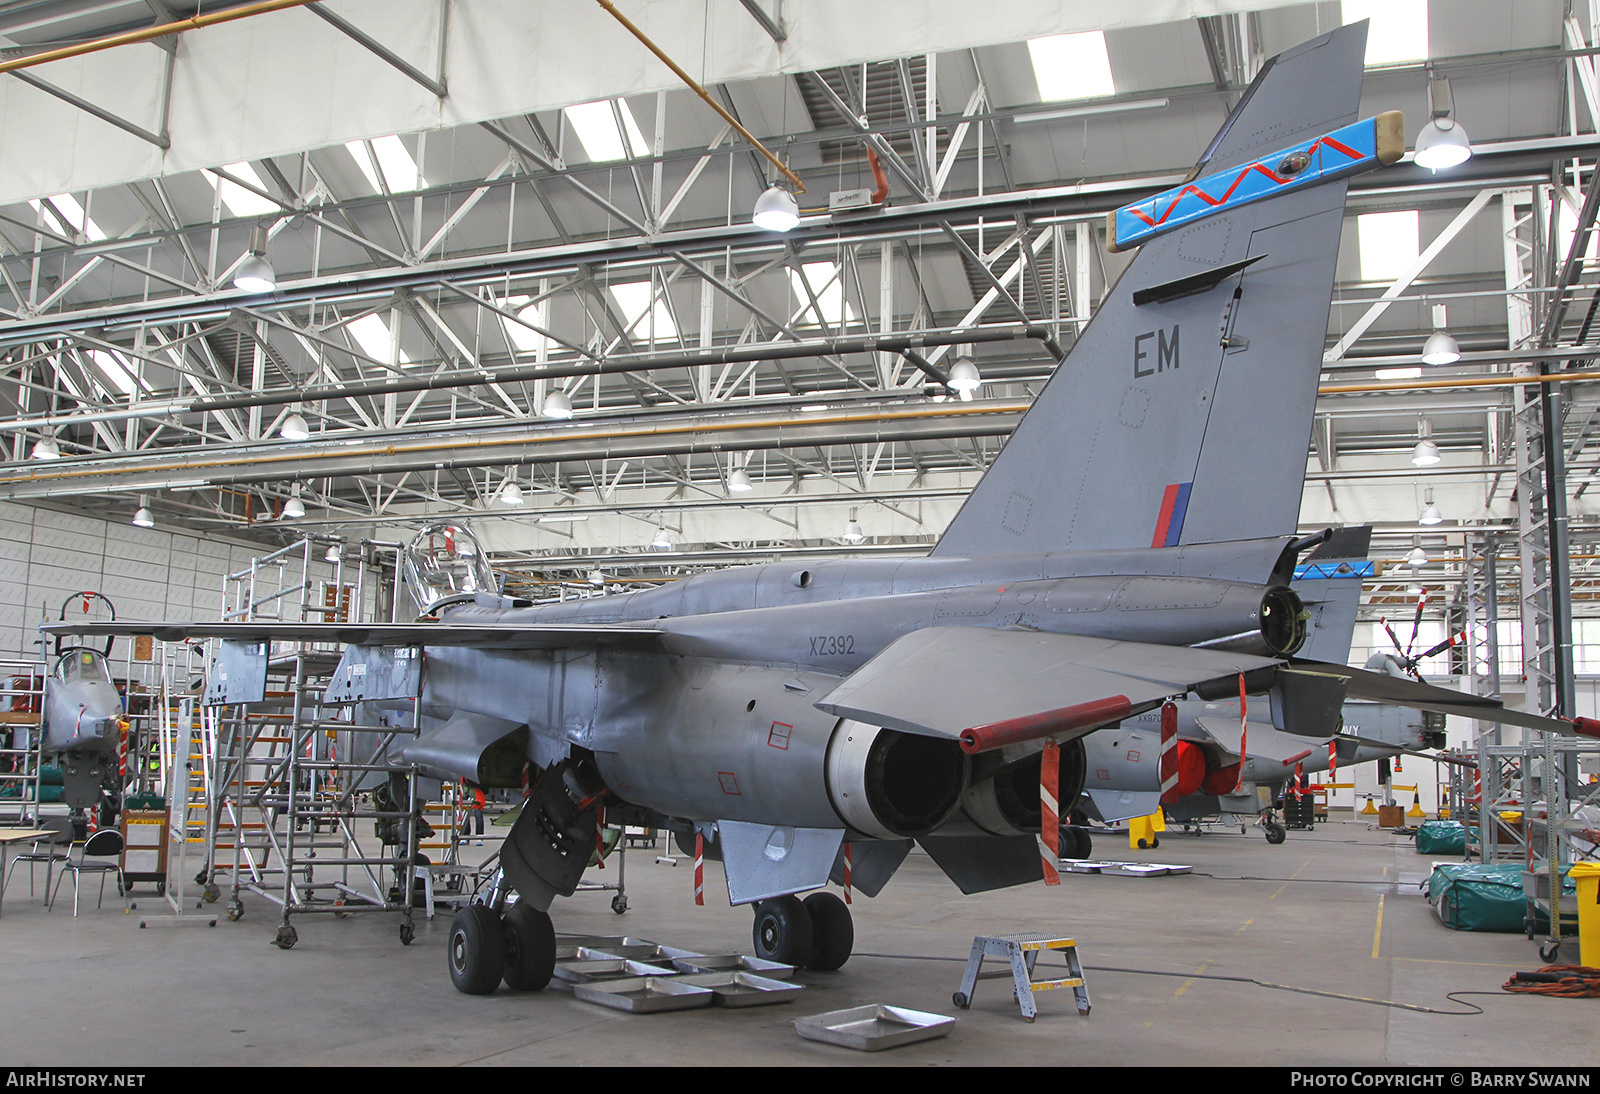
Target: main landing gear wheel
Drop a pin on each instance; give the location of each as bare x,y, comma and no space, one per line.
1276,832
530,943
832,934
477,950
782,931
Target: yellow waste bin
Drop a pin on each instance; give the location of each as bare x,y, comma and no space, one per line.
1586,875
1142,830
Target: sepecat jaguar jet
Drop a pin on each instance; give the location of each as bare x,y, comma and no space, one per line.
1132,544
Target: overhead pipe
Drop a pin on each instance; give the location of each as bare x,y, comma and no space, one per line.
704,94
149,34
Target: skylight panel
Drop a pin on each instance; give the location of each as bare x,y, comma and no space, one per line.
1398,32
1072,66
372,335
114,367
1388,244
596,129
76,222
398,168
634,298
828,287
522,339
239,201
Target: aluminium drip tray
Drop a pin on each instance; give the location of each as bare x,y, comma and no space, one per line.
874,1027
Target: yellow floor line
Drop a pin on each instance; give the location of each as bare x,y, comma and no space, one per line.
1377,931
1185,986
1292,876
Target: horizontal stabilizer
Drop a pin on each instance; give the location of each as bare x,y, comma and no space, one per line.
507,636
1419,696
940,681
1263,742
980,864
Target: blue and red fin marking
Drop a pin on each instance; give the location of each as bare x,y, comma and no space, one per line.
1369,143
1174,506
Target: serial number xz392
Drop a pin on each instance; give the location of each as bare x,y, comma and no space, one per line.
831,645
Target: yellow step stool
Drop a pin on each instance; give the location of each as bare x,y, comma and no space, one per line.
1022,951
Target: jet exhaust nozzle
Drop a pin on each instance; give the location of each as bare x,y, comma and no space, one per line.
893,785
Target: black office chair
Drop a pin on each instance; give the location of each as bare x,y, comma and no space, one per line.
105,844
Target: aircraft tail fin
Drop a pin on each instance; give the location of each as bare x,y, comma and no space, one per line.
1183,413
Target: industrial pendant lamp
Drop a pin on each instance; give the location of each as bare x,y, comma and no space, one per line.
739,481
852,530
557,405
662,542
255,273
1425,453
294,508
1442,142
294,427
511,493
1440,348
46,448
964,377
1417,557
142,517
1430,511
776,210
334,554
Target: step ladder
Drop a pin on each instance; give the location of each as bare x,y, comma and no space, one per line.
1022,951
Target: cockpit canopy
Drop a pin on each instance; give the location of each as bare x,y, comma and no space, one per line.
446,560
81,664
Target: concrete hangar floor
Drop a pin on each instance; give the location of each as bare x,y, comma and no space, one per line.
1336,910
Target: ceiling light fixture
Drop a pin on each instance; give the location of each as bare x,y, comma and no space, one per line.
294,427
1417,557
294,508
255,273
46,448
1443,142
1425,453
964,377
142,517
776,210
662,542
558,406
739,481
510,492
852,530
1430,511
334,554
1440,348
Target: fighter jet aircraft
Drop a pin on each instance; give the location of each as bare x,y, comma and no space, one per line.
1132,544
83,723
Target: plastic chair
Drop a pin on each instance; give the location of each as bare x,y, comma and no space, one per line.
106,844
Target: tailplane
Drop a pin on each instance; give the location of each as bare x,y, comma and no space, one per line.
1183,413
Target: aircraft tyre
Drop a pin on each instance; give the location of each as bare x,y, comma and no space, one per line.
477,950
782,931
1083,844
1276,832
530,941
833,935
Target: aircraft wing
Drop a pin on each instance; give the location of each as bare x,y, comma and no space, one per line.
512,636
1419,696
944,681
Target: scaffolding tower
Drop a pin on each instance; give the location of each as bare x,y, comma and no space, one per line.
295,777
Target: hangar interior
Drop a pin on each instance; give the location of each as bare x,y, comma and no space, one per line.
283,283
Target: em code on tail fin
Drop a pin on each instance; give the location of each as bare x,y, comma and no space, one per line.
1183,413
